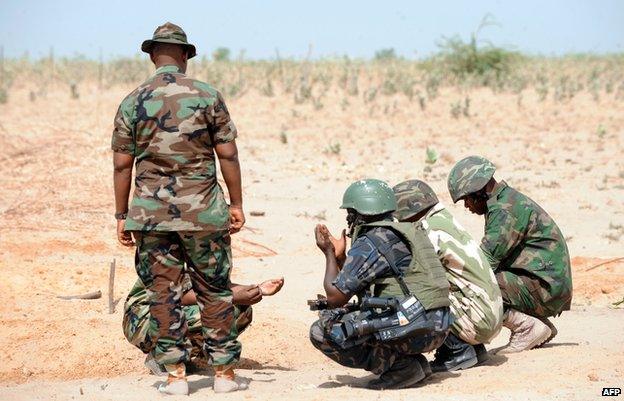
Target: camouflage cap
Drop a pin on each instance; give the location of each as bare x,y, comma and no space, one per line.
169,33
413,196
469,175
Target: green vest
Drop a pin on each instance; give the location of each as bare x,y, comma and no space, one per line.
425,275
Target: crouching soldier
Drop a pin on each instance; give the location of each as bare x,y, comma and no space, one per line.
136,319
394,271
476,303
525,248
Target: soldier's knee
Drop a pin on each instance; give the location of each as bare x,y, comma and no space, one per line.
316,334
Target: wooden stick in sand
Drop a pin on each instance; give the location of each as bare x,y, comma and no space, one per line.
88,295
111,288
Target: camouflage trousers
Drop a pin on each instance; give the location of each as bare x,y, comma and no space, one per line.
160,261
375,356
476,319
528,295
136,326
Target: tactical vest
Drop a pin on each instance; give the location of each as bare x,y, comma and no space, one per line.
425,275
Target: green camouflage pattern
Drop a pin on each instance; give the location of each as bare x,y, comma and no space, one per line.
160,262
136,319
476,302
369,197
170,124
169,33
413,197
521,238
468,176
424,275
374,356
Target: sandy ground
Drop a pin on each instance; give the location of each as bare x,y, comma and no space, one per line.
57,237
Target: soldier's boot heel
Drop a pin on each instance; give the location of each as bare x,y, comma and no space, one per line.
424,364
176,382
455,354
527,332
553,330
404,373
226,382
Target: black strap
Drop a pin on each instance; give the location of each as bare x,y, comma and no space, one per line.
385,248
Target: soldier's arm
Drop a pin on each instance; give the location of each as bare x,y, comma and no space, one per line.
224,135
501,237
123,146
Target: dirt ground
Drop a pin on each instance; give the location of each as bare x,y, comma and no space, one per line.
57,238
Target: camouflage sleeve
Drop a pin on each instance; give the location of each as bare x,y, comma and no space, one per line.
122,140
362,266
501,236
223,127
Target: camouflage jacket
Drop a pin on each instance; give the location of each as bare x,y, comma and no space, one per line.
476,301
521,237
170,124
365,264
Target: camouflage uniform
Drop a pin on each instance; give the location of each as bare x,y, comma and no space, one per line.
171,124
528,252
476,303
136,320
363,267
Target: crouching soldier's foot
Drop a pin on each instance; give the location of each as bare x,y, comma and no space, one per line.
405,372
527,332
226,382
553,330
154,367
176,381
456,354
424,364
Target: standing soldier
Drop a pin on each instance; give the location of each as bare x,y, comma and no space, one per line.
476,303
172,126
525,248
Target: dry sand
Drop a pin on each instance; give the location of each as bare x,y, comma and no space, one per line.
57,237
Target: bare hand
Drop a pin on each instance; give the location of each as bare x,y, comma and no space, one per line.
237,219
247,295
323,240
124,237
340,245
271,287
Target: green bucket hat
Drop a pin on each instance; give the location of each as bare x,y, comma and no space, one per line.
169,33
413,196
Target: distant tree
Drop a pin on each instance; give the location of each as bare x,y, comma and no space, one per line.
221,54
385,54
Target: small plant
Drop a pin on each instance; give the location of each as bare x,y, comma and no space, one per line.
283,137
385,54
422,101
4,97
221,54
74,90
432,155
333,148
456,109
601,131
466,109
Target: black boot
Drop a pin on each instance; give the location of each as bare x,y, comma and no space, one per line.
424,364
405,372
456,354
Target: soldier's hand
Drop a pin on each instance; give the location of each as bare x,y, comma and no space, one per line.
124,237
247,295
271,287
237,219
340,245
323,240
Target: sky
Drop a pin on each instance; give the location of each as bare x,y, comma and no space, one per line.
329,28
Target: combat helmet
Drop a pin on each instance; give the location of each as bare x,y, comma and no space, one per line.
469,175
413,196
369,197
